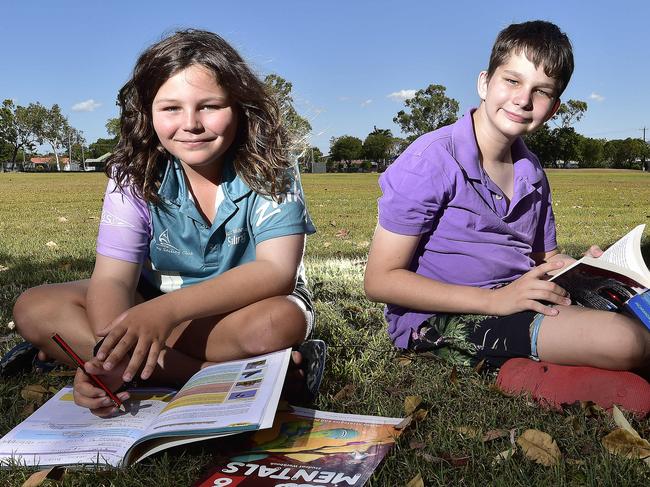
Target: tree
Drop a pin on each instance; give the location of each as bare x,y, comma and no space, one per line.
569,113
345,148
113,127
51,127
313,154
542,143
16,130
430,109
566,141
591,152
297,126
377,145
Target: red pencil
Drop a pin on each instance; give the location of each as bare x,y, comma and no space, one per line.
80,363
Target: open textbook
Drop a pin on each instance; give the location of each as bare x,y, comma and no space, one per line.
220,400
616,281
306,447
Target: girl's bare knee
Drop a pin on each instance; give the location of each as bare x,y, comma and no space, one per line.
281,327
28,313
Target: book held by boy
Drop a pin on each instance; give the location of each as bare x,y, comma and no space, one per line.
306,447
619,280
220,400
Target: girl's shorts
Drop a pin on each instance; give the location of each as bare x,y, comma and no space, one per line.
469,339
301,296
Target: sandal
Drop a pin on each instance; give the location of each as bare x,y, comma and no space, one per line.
314,353
23,358
554,385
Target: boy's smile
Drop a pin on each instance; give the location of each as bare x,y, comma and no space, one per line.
517,99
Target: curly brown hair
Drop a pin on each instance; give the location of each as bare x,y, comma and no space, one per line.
260,150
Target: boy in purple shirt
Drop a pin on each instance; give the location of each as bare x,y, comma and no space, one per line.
466,234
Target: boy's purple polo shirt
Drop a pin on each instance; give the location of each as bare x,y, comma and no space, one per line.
470,235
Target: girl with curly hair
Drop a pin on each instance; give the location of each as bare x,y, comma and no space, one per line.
200,244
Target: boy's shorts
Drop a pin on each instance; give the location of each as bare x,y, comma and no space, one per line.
468,339
301,296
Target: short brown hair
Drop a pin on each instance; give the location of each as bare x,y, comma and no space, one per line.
543,43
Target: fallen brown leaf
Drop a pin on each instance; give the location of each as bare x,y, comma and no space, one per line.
420,414
575,461
327,244
540,447
333,223
456,461
620,420
494,434
411,403
62,219
404,361
504,456
51,244
405,423
453,376
479,366
3,268
623,443
345,393
37,478
416,481
342,233
430,458
34,392
416,444
468,432
29,409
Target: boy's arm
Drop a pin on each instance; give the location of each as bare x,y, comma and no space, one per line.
388,280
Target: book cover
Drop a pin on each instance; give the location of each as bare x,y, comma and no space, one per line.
306,447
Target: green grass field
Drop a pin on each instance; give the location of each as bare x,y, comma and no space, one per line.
591,207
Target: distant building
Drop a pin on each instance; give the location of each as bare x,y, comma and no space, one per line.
98,163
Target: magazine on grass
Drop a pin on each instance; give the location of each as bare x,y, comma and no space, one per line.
616,281
306,447
220,400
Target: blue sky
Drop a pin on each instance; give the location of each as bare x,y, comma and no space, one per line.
344,58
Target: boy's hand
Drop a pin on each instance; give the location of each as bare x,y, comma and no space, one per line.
143,329
594,251
88,395
527,292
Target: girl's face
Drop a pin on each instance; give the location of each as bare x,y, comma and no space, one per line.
194,118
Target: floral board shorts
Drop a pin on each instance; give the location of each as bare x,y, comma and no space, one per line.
465,339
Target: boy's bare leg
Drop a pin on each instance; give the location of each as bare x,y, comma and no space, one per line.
582,336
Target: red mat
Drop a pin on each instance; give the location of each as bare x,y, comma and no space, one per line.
555,385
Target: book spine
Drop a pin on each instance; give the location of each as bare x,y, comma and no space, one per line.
639,306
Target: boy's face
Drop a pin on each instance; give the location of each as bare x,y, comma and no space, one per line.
518,98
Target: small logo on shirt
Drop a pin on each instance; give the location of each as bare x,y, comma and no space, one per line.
164,244
270,208
114,221
236,236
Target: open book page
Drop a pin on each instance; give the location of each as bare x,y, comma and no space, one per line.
229,397
62,433
627,251
623,261
307,447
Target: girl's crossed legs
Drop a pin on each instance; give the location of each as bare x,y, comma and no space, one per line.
268,325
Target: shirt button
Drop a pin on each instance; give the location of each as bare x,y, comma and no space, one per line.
498,196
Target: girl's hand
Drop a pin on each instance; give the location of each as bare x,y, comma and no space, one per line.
143,329
88,395
526,293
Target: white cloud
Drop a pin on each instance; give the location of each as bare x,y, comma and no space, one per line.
401,95
596,96
366,103
86,106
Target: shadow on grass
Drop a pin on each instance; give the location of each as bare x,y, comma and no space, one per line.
23,273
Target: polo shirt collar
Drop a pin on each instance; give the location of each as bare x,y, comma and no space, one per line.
173,188
465,151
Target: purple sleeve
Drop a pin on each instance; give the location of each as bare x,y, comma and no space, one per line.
414,189
545,239
125,226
